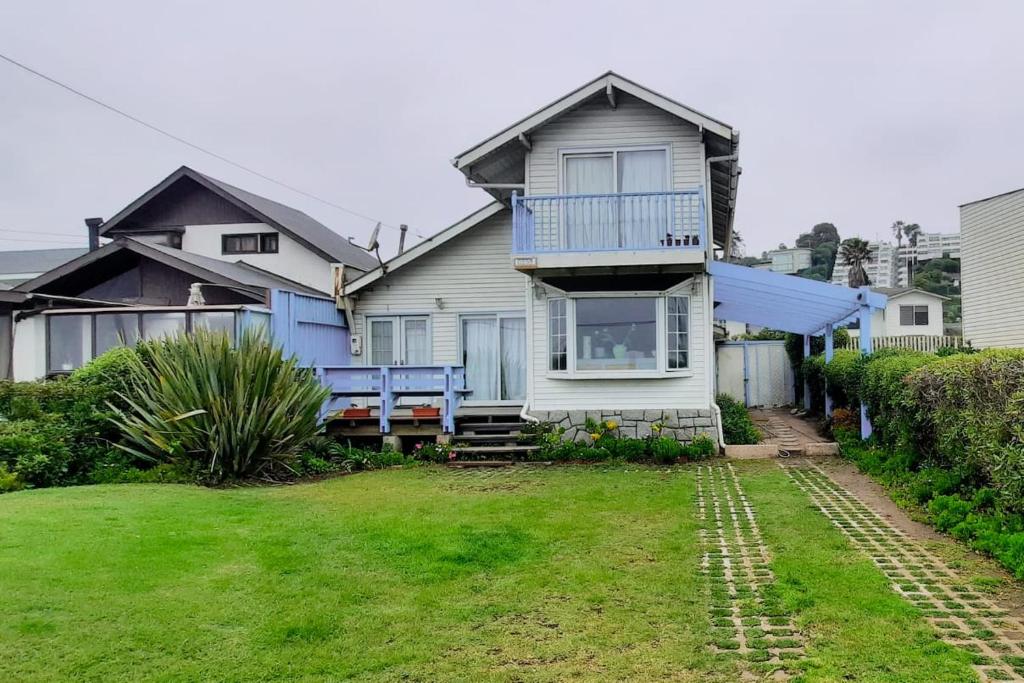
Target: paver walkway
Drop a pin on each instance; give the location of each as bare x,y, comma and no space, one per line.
963,617
747,618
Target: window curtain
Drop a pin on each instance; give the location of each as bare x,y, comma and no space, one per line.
382,342
480,357
643,220
417,343
513,359
590,223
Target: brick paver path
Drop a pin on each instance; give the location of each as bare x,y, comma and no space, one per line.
963,617
747,618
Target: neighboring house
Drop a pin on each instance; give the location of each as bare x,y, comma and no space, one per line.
891,266
189,229
789,261
909,312
21,266
992,270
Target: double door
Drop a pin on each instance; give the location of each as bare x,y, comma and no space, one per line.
400,340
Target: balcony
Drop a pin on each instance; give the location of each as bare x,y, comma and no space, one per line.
608,230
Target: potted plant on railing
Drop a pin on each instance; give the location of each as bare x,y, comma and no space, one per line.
354,411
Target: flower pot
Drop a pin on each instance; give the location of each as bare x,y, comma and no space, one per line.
426,411
619,351
356,412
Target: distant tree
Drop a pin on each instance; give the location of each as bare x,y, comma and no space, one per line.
855,254
821,233
912,231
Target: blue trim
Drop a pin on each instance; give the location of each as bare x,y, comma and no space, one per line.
807,385
865,348
829,330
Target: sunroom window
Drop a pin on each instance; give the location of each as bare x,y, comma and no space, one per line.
616,334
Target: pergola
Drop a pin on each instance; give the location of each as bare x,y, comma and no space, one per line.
797,305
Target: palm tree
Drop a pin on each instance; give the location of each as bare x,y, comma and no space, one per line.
855,253
912,231
898,232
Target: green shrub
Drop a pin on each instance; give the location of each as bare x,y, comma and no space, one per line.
843,374
36,451
701,448
813,369
665,450
429,451
884,388
737,427
238,411
622,448
9,481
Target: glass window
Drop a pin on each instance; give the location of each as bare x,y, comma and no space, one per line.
557,335
215,321
616,334
382,342
268,242
913,315
677,325
241,244
69,342
156,325
116,329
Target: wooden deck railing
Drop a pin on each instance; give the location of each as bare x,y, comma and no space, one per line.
389,384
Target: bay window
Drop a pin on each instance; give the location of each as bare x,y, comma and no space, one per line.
626,335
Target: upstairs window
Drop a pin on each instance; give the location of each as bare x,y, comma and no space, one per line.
250,243
913,315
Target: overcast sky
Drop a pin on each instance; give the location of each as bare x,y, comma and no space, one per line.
852,112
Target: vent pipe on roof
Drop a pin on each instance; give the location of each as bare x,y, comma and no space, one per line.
401,237
93,226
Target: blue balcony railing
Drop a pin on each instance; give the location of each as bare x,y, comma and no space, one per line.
608,222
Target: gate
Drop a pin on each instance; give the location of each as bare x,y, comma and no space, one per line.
310,328
758,373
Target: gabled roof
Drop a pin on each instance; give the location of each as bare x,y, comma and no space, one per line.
500,158
202,267
35,260
602,84
896,292
995,196
292,222
426,246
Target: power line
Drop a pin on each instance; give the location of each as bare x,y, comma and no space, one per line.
193,145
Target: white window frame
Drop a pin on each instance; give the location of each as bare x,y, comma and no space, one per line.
613,150
497,316
913,315
661,330
398,329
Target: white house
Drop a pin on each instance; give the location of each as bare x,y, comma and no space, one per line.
190,229
789,261
909,312
992,270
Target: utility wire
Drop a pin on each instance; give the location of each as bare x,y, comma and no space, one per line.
193,145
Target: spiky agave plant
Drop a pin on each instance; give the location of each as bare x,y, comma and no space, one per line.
239,411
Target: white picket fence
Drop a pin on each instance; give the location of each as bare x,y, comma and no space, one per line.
928,343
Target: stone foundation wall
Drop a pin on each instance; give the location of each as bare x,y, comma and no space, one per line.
681,425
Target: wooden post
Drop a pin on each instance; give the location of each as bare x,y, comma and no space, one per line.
865,348
385,399
828,357
807,386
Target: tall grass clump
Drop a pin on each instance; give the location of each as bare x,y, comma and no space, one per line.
224,411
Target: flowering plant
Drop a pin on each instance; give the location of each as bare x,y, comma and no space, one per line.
434,452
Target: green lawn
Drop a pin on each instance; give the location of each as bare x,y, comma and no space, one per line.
426,575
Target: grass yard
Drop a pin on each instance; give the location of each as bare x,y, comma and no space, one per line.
425,575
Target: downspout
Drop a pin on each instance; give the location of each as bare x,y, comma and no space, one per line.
524,413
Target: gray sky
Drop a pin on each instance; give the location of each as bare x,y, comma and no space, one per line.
854,112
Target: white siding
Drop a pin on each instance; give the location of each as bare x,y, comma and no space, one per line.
887,324
472,273
681,392
595,124
992,271
292,260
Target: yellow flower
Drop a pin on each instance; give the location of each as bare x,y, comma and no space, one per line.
610,424
656,427
595,435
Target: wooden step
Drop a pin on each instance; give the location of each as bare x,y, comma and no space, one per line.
481,463
494,449
514,437
490,426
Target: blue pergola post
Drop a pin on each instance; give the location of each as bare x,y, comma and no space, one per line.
828,357
807,386
865,348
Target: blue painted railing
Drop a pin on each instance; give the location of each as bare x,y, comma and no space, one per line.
389,384
608,222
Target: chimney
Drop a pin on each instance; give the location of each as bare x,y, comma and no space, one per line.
93,226
401,238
